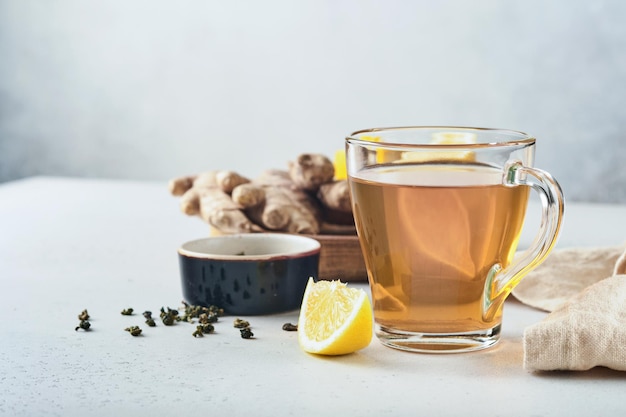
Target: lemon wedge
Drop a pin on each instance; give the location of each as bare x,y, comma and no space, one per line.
453,138
444,138
334,319
339,164
382,156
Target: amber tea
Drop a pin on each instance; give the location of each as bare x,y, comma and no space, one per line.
434,231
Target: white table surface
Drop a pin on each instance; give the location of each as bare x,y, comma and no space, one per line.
69,244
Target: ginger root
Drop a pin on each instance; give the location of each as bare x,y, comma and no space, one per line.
303,199
336,196
205,195
284,206
336,204
309,171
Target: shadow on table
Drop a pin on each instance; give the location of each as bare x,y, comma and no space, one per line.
505,357
598,373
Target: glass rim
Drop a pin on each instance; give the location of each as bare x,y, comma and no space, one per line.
518,138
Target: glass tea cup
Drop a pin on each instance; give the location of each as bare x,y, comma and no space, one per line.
439,213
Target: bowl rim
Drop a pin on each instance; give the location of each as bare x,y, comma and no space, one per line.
310,247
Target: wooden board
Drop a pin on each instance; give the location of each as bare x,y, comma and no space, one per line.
341,258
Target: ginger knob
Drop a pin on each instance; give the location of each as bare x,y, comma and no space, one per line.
309,171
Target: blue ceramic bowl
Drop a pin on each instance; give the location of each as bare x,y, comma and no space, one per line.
248,274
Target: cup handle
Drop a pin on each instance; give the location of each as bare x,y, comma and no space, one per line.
501,281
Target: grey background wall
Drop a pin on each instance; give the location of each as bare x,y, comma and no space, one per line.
151,89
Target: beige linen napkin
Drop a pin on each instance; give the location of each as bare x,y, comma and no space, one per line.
565,273
587,330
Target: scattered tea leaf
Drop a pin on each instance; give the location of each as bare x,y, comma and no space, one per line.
127,312
289,327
